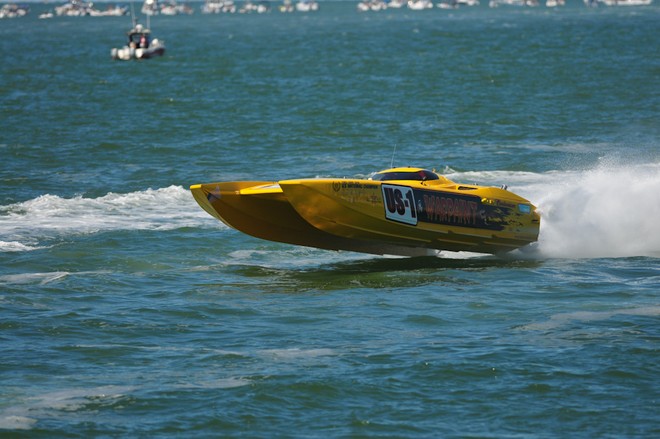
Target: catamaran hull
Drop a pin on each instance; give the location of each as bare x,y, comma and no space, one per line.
407,218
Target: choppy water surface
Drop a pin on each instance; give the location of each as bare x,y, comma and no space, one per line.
125,310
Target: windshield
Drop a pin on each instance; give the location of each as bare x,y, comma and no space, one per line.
420,175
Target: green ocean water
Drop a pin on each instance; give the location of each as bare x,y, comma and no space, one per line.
127,311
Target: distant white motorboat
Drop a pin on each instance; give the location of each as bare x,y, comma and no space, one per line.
250,7
626,2
364,6
110,11
419,5
371,5
218,7
286,6
140,45
13,11
173,8
519,3
74,8
150,7
451,4
307,6
396,4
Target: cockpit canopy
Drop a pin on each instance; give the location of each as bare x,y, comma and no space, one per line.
137,32
415,174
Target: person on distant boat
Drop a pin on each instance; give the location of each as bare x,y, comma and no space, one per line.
144,41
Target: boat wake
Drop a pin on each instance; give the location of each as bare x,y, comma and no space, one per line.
30,225
607,211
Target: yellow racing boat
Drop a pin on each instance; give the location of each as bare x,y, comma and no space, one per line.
398,211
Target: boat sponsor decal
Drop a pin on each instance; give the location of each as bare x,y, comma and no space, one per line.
374,200
399,204
349,184
459,210
449,209
356,191
412,206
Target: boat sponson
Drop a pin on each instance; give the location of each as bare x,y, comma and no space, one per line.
355,210
260,209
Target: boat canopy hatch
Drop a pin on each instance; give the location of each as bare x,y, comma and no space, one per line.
134,33
416,175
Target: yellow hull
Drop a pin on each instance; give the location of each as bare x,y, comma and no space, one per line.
403,217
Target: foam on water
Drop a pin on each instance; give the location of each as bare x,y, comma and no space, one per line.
23,226
564,319
15,246
298,354
220,383
609,211
24,414
30,278
305,257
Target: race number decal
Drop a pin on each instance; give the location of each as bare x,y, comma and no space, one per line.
399,204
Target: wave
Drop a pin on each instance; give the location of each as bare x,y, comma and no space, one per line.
606,211
566,319
27,278
610,211
25,226
25,413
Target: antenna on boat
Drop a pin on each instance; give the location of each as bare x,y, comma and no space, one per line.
133,21
392,161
